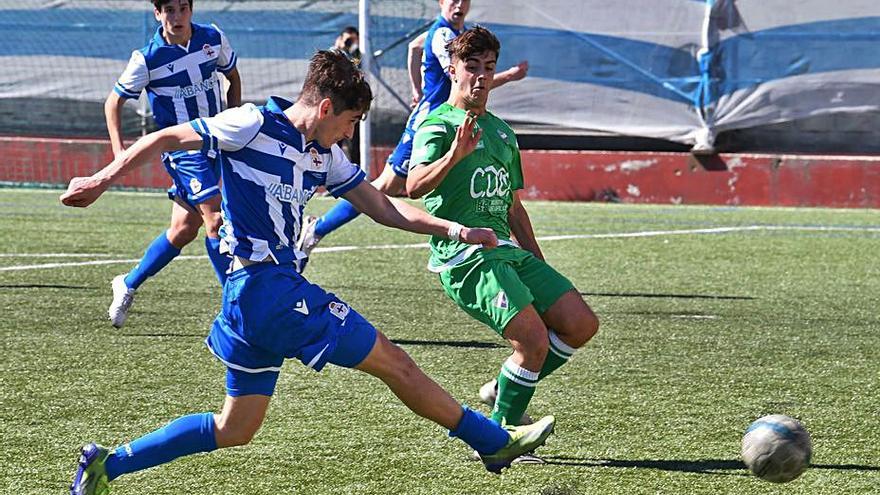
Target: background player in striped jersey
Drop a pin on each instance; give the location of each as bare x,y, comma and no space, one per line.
178,69
435,90
273,160
466,164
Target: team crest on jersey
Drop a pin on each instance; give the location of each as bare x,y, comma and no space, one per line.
316,159
500,300
338,309
195,185
209,51
502,135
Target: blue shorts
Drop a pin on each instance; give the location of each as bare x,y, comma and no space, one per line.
271,313
196,177
399,158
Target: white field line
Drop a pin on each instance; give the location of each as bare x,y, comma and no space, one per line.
423,245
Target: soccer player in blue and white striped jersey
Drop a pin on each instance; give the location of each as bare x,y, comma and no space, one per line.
274,158
178,69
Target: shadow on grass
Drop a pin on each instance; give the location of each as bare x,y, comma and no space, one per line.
706,466
43,286
449,343
669,296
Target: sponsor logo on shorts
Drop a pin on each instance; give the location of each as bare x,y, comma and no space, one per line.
339,309
500,300
195,185
301,307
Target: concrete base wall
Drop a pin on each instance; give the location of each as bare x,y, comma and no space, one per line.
630,177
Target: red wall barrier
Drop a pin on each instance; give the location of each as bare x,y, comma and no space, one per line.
630,177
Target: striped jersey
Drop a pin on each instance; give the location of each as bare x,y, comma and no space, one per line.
435,71
269,172
181,81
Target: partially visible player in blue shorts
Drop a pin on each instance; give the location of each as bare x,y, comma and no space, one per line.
435,91
273,159
179,69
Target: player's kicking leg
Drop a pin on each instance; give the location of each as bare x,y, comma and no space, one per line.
497,446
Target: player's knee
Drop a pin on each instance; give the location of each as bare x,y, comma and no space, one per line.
580,329
233,434
533,345
404,369
182,233
213,222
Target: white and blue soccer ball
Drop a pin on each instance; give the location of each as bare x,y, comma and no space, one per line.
777,448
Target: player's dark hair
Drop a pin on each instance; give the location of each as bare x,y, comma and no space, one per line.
474,41
157,4
332,75
350,30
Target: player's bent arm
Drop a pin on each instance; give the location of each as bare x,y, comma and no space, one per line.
515,73
113,116
414,63
521,227
233,94
398,214
83,191
424,178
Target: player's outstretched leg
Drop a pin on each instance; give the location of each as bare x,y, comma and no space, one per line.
159,253
91,474
497,446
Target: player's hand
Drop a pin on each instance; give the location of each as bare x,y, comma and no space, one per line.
466,139
486,237
519,71
416,98
83,191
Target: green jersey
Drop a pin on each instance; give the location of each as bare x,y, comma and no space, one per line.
478,190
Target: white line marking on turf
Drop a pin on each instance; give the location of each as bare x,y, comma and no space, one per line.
55,255
85,263
422,245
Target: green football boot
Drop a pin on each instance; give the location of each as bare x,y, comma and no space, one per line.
91,476
523,439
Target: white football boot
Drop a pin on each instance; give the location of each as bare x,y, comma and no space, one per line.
307,239
123,297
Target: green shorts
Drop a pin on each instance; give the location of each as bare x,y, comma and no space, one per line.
493,286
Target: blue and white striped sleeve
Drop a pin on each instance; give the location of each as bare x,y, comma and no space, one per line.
227,59
342,175
135,77
442,36
230,130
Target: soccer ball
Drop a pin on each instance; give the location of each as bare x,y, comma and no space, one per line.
776,448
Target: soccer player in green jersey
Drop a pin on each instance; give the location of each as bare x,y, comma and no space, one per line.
466,164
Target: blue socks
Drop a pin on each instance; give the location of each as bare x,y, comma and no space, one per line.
183,436
220,262
342,213
159,253
481,433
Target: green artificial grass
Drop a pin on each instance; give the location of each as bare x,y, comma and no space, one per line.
702,332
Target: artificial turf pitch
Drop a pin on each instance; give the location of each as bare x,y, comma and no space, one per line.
711,317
